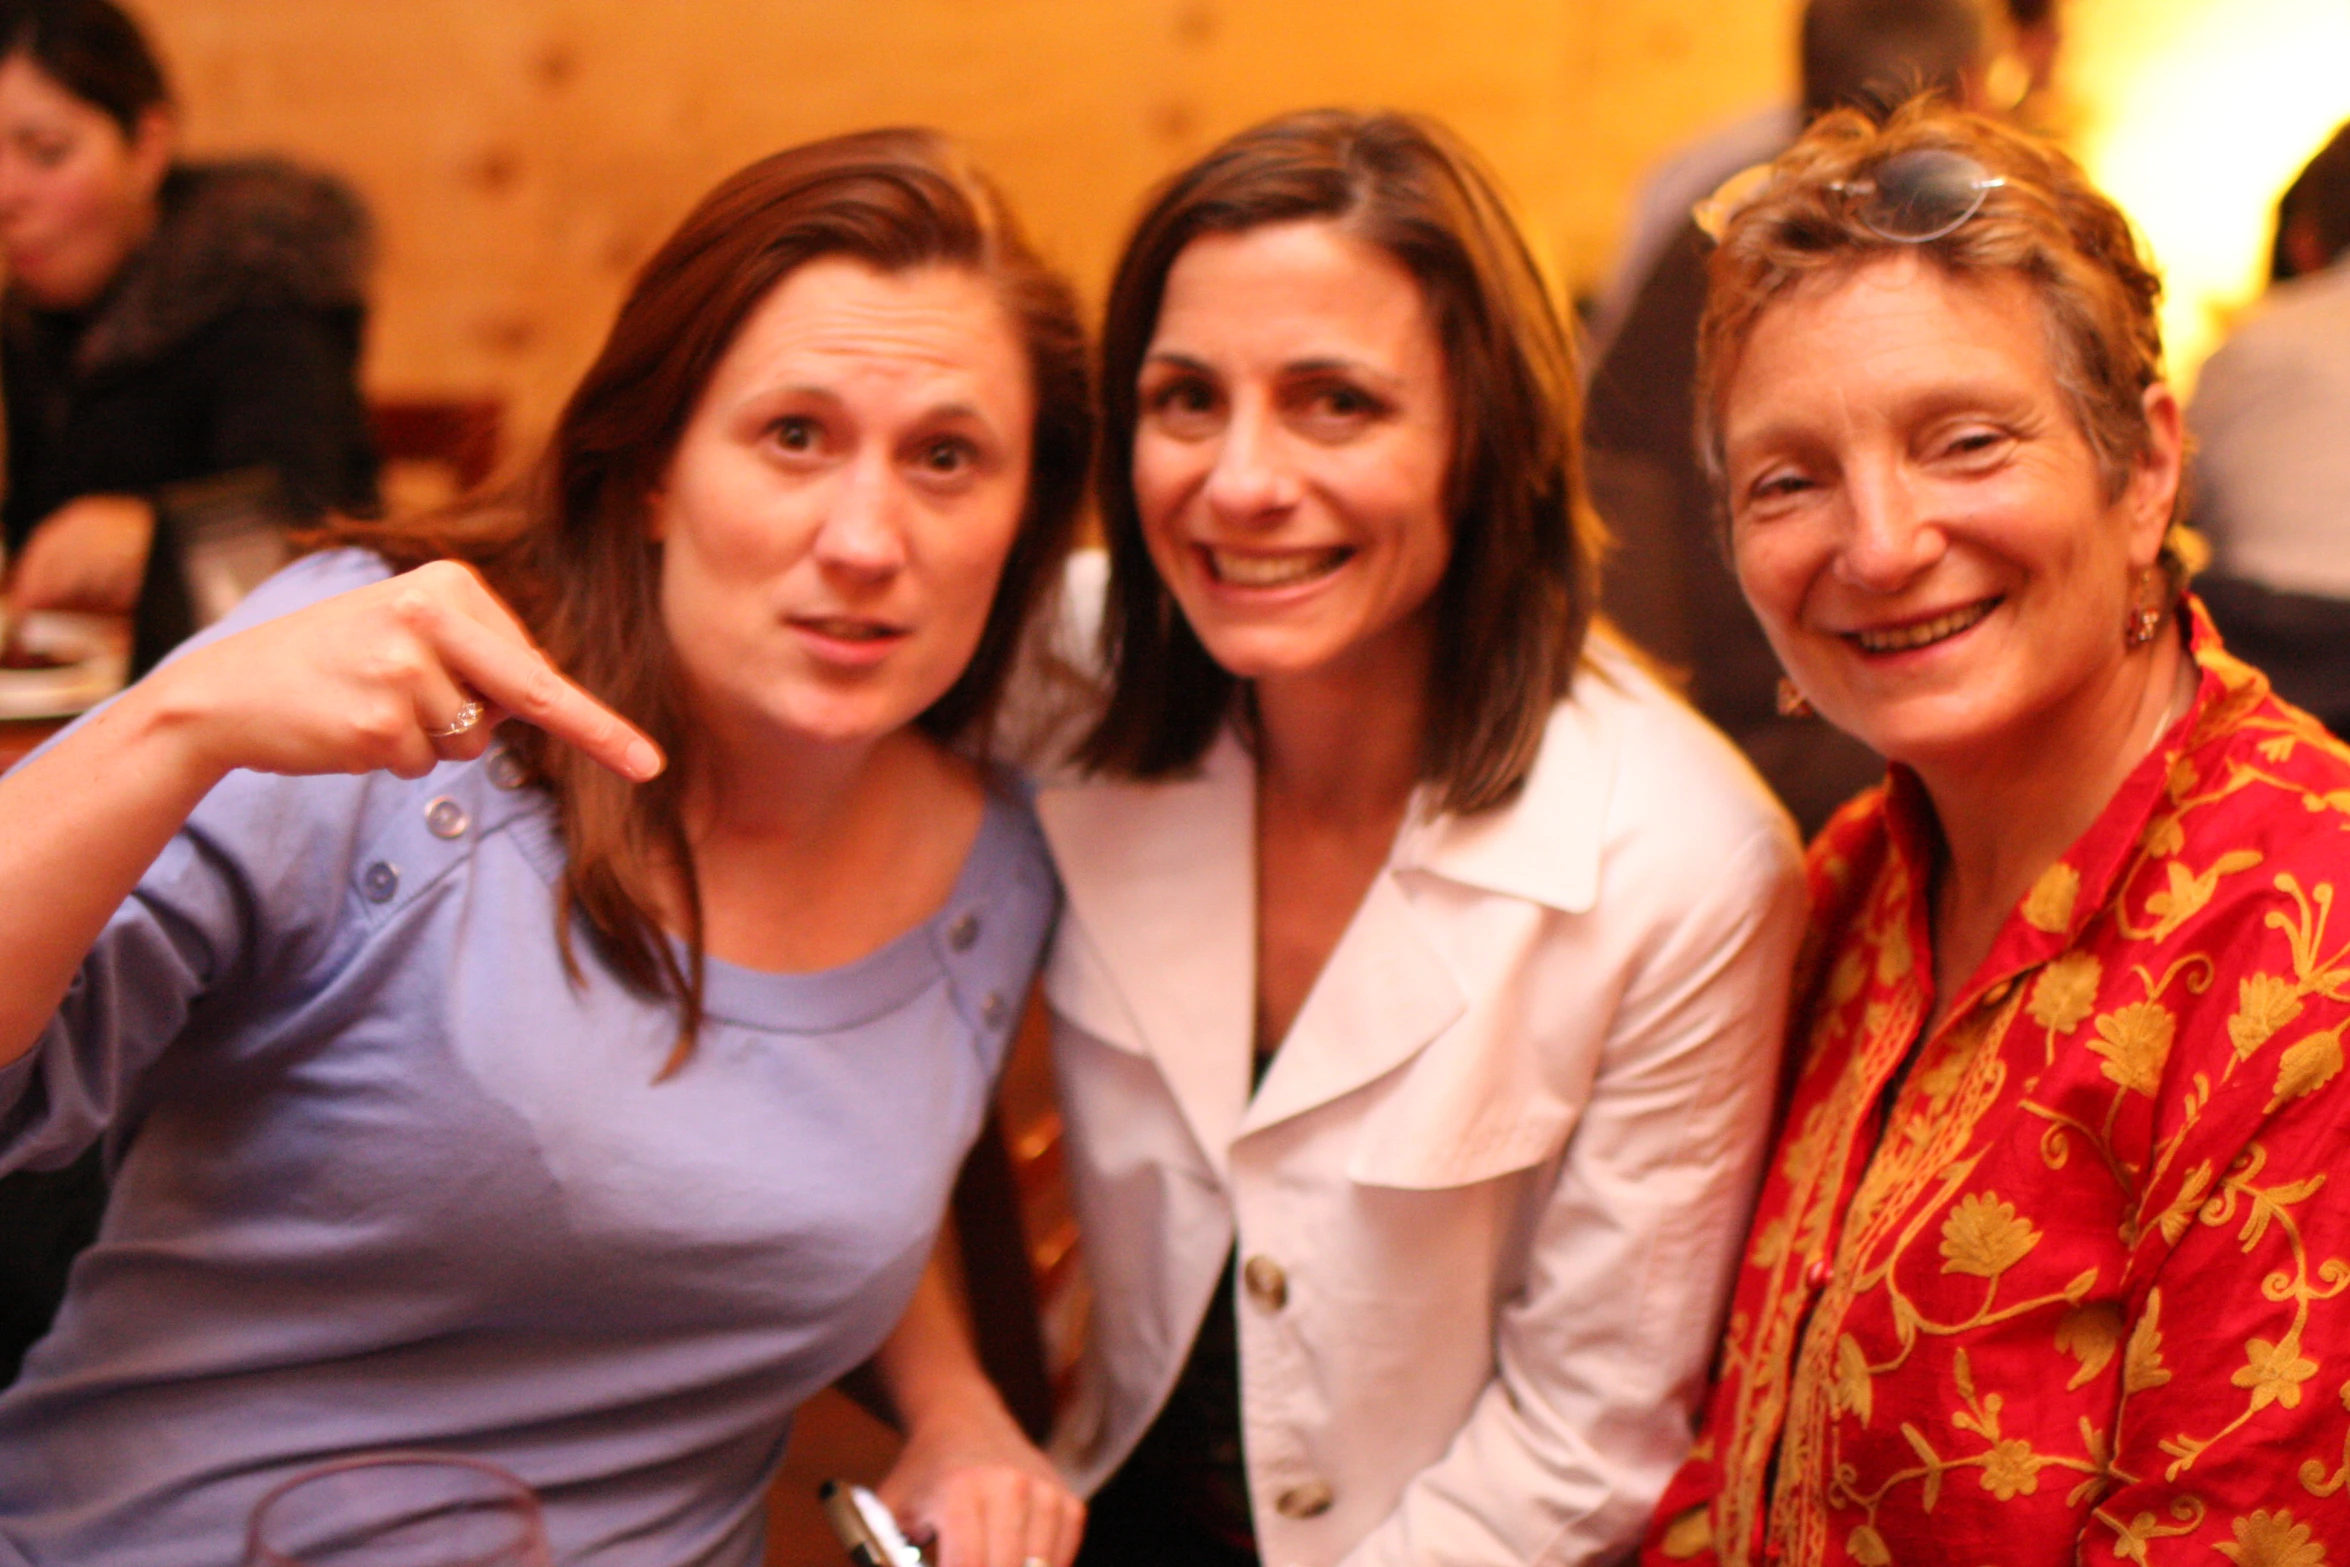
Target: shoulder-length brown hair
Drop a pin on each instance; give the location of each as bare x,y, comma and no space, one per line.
1517,594
570,548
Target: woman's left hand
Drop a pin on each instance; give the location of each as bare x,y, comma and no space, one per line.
89,554
981,1494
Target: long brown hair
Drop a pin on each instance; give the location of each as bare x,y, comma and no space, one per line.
569,547
1517,593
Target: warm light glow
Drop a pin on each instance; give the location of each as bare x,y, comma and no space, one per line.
2198,115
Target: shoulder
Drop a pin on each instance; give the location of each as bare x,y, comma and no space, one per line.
1681,793
235,236
1634,802
2305,320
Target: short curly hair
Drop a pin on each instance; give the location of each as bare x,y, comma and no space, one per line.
2045,223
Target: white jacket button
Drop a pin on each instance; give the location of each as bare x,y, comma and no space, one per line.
1267,1285
1309,1500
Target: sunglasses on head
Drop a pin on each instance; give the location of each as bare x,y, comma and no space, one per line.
1910,198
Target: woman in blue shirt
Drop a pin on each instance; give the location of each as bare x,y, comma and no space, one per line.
503,1090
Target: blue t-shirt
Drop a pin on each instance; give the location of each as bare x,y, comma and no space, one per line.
386,1177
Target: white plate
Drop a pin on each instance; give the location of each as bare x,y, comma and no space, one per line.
97,656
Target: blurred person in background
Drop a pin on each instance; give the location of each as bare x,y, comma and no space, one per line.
2052,1262
1667,585
2271,421
1418,992
492,1094
163,323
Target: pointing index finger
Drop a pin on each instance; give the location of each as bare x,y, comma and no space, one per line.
522,681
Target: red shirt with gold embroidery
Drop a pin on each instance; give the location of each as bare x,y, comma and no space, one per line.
2076,1285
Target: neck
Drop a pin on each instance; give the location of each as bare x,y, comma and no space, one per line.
792,790
1344,744
2007,813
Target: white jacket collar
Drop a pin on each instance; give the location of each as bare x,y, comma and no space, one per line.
1158,947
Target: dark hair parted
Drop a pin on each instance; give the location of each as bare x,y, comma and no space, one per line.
1517,594
2045,223
92,49
570,547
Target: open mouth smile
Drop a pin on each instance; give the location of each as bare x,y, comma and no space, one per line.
844,628
1921,633
1276,569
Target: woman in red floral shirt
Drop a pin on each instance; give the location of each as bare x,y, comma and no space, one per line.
2053,1260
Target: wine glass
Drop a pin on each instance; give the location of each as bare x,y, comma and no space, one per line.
398,1509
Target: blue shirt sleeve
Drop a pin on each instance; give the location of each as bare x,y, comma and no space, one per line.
249,861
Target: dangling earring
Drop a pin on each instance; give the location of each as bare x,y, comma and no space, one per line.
1792,702
2144,619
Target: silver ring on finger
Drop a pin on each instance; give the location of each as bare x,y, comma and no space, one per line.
462,723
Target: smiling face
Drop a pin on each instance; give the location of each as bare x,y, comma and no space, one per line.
1921,524
1291,456
76,195
841,502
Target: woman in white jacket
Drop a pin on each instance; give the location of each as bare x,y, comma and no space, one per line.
1419,986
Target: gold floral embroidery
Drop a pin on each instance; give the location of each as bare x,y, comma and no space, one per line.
2132,1538
1984,1237
2142,1367
2275,1372
2090,1334
2264,1004
2135,1041
2188,892
2268,1539
2049,905
1850,1394
2066,992
2307,1067
2011,1470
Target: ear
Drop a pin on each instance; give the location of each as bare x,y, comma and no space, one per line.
153,143
2153,490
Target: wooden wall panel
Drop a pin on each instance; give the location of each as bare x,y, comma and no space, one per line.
523,156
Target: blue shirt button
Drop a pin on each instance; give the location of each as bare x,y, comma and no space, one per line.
963,934
445,818
380,881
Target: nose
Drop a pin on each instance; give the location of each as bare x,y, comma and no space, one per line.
1889,539
1250,478
863,532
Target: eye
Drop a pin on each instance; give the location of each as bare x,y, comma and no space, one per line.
796,433
1974,446
1773,491
1334,409
947,457
1182,405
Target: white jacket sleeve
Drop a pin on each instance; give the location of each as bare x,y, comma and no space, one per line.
1602,1353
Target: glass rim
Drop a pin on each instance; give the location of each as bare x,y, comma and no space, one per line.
260,1553
1919,194
1878,203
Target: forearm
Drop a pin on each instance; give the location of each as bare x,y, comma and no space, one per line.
928,1366
79,825
968,1480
